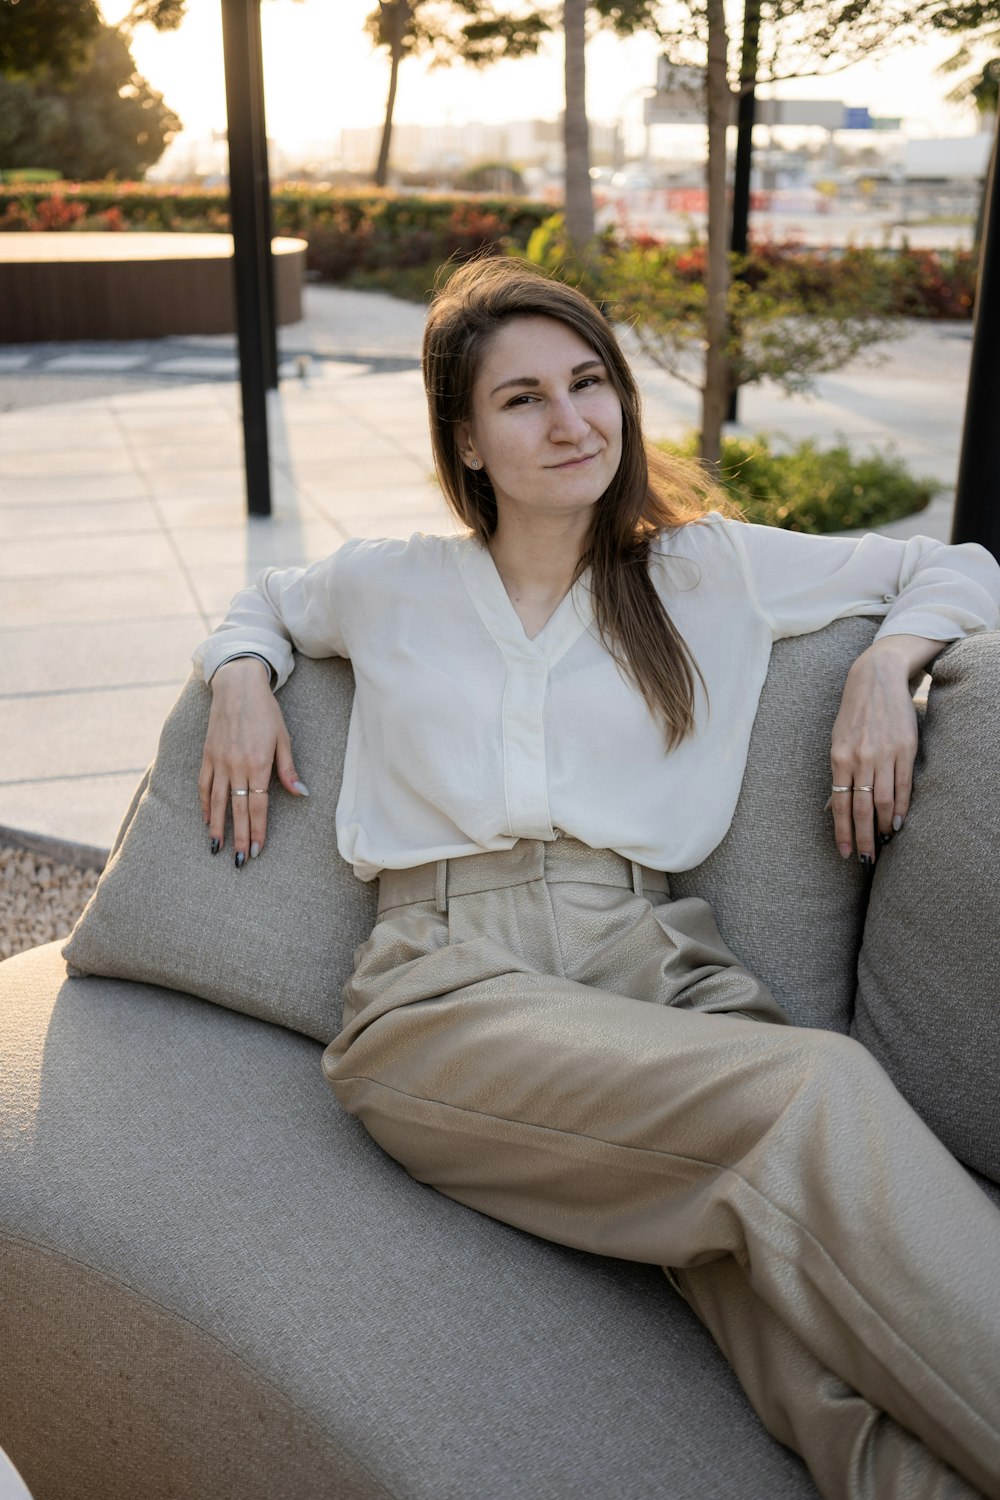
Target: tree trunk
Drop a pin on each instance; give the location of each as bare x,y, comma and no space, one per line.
579,199
394,15
715,395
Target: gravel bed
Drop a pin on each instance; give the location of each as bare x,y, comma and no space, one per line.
40,899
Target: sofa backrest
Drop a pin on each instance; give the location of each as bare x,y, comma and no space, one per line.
276,939
787,904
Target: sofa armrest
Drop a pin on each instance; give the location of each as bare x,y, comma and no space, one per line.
928,1001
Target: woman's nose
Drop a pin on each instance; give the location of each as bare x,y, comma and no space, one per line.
567,424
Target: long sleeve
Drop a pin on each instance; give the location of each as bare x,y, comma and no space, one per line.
922,587
285,609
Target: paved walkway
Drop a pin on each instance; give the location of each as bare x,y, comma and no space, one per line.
123,533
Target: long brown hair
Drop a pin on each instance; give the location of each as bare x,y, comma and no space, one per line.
649,492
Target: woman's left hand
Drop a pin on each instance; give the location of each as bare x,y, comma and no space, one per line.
874,744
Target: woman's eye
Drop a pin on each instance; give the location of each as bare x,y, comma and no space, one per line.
587,380
521,400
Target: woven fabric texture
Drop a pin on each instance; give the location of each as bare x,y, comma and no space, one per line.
787,905
928,1002
200,1160
273,940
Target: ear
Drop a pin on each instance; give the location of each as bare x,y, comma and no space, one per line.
463,442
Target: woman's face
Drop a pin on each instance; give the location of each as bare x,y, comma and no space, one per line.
546,421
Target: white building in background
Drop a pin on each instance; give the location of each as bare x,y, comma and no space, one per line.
947,159
443,148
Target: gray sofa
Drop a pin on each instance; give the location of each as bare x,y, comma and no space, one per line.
215,1285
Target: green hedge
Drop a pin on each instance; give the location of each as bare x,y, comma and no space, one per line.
395,240
372,232
922,283
813,489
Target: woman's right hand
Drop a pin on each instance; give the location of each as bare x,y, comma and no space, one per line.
246,738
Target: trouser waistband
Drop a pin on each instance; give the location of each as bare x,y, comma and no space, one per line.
557,860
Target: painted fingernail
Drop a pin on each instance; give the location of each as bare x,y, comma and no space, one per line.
866,861
897,823
254,849
883,839
240,860
297,786
216,846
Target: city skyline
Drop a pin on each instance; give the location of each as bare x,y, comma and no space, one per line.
322,76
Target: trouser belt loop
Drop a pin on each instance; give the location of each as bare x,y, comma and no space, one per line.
441,886
637,878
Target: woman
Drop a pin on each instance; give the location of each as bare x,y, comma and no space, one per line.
551,711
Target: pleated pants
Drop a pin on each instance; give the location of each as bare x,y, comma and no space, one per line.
543,1035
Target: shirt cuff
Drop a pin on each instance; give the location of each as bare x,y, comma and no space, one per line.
256,656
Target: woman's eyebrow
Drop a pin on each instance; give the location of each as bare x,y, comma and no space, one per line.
533,380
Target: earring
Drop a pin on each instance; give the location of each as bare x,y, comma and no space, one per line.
473,463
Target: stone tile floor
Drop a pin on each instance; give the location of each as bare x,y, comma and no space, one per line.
123,532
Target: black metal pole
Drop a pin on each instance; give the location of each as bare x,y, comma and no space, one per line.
977,496
746,112
262,177
251,247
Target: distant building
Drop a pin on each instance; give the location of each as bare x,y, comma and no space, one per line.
948,158
444,148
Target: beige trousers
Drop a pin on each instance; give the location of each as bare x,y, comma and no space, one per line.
532,1036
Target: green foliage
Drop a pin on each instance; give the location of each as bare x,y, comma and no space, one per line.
103,120
395,241
812,489
491,177
794,312
45,36
29,174
789,319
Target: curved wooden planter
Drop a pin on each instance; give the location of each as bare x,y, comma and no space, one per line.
130,286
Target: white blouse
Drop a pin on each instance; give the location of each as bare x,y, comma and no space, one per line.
466,735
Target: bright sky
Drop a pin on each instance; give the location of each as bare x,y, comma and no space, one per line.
321,76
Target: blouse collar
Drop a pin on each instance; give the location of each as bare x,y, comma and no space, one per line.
571,617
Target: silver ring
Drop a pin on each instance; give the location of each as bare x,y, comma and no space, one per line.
864,789
245,793
841,789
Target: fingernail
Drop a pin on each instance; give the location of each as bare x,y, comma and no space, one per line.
240,860
866,861
254,849
216,846
845,851
297,786
897,822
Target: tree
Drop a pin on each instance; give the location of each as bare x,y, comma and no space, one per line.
45,35
781,39
624,18
450,30
981,89
104,120
576,129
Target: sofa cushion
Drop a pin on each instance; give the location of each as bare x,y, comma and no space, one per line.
928,1002
787,903
275,939
186,1173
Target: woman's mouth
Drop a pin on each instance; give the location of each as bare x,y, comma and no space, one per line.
573,463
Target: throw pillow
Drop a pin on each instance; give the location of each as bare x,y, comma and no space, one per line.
275,939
